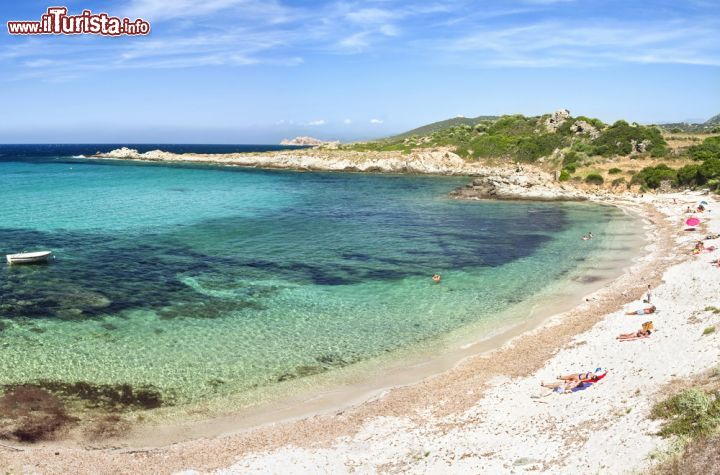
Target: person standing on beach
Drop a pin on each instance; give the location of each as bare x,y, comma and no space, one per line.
648,295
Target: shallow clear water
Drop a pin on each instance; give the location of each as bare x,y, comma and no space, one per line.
204,281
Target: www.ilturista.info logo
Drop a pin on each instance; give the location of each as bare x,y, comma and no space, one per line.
57,22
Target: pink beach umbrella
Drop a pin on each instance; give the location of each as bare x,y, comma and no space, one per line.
693,221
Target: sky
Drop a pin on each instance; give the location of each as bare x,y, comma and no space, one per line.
256,71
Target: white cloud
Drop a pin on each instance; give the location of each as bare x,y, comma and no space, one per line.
347,121
372,16
317,122
355,42
376,121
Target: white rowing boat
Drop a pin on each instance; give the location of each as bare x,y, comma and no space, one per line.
29,257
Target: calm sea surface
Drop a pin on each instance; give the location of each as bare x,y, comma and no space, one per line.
202,282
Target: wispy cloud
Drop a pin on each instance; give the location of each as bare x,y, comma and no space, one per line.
314,123
376,121
553,43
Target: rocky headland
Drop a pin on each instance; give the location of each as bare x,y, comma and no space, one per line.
490,182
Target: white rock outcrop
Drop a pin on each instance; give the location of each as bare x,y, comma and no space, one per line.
557,119
582,127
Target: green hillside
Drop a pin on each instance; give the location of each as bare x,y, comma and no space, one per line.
712,125
713,120
527,139
444,124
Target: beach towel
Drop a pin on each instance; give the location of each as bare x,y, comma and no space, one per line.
635,338
596,379
587,383
581,387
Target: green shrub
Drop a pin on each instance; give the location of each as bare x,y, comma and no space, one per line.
597,123
710,168
651,177
614,171
532,147
616,139
689,175
618,182
710,148
691,412
564,175
709,330
594,179
570,168
659,151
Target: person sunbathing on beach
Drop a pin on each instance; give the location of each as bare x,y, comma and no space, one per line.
645,331
700,247
712,236
589,376
563,387
643,311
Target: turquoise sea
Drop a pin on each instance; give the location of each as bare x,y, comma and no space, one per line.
202,282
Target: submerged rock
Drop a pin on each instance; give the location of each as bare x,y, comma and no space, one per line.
108,396
29,413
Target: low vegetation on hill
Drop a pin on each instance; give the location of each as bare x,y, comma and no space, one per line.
704,171
444,124
526,139
691,417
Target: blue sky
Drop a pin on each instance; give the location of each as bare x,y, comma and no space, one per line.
255,71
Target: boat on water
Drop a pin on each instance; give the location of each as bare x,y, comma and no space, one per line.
29,257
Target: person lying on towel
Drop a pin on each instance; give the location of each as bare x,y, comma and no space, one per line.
644,332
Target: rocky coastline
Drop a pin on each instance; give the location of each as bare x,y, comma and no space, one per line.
489,182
